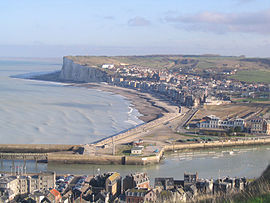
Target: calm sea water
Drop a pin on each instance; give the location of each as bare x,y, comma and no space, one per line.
54,113
44,112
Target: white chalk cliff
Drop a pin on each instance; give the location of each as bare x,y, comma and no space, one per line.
79,73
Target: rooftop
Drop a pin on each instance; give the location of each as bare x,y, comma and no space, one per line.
114,176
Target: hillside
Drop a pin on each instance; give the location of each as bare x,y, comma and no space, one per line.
248,69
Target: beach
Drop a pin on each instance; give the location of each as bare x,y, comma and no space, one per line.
150,107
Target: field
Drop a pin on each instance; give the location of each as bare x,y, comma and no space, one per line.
253,76
233,110
176,61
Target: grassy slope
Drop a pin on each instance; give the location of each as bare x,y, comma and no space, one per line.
161,61
260,199
250,69
253,76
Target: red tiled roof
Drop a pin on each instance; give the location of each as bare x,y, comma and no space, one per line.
55,193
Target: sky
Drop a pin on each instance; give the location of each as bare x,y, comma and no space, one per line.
54,28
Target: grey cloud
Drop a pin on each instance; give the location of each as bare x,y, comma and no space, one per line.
138,21
256,22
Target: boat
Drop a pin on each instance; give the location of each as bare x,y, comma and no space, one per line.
229,152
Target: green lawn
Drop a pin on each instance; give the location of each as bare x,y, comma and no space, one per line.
260,199
253,76
250,100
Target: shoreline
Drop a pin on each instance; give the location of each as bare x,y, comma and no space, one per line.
150,107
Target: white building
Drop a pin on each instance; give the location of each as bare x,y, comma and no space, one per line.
215,122
108,66
137,150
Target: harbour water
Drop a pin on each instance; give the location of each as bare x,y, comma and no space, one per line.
212,163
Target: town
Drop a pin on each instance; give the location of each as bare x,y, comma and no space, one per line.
48,187
184,88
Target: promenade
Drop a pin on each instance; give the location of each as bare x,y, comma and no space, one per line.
139,131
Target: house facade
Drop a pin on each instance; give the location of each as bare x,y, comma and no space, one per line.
137,180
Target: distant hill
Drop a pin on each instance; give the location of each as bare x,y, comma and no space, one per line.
194,64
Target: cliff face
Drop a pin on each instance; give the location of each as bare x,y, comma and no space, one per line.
79,73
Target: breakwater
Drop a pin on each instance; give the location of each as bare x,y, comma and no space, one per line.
220,144
24,156
36,148
103,159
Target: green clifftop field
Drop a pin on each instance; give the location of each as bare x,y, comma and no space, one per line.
247,69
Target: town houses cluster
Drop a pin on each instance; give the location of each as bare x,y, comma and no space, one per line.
111,187
182,87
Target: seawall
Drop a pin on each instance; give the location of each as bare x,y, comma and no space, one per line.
36,148
74,72
103,159
256,141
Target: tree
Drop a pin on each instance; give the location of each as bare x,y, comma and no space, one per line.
237,129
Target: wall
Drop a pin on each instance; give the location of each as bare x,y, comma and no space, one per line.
216,144
36,148
104,159
84,159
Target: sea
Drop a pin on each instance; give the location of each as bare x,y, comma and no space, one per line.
41,112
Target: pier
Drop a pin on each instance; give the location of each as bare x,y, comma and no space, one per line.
24,156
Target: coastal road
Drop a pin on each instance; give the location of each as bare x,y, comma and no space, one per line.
142,130
188,116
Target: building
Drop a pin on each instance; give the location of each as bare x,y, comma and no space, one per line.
205,186
12,186
164,183
267,127
22,185
103,197
137,142
108,66
9,187
113,184
214,122
228,184
136,195
52,197
260,126
190,178
209,122
41,181
137,150
137,180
